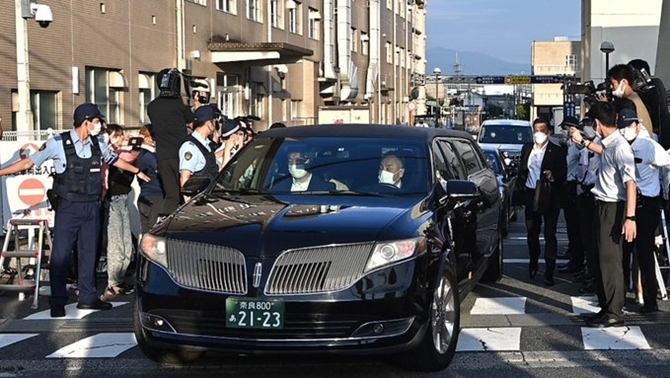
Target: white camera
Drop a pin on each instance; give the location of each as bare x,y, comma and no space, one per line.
42,14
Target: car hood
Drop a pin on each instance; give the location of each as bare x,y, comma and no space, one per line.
268,225
504,146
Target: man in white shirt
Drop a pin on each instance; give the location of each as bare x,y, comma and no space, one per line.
300,177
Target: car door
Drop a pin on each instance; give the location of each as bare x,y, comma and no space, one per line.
487,206
459,222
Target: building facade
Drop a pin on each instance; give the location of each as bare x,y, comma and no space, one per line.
282,60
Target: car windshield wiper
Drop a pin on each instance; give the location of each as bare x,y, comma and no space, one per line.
335,193
219,190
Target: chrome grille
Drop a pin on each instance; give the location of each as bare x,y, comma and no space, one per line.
207,267
318,269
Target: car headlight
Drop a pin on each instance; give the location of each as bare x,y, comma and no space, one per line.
154,248
387,253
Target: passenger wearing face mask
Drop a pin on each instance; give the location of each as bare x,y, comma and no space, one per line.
77,158
650,159
621,77
301,179
196,156
542,161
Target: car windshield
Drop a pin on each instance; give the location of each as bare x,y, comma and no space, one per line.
492,161
506,134
319,165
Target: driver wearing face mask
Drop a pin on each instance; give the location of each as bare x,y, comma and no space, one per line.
391,171
621,77
301,179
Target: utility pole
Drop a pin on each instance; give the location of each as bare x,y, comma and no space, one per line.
24,117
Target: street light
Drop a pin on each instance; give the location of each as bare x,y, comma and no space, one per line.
437,72
607,47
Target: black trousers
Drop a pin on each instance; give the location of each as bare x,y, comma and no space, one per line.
587,208
533,227
149,208
572,213
608,222
648,218
168,174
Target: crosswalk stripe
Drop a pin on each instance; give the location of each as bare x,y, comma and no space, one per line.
489,339
102,345
584,305
499,306
11,338
71,312
614,338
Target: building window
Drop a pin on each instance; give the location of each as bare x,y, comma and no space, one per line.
258,94
365,43
229,94
402,57
148,91
571,61
103,88
314,30
295,109
276,15
253,10
397,56
389,52
201,2
294,12
389,4
354,40
44,106
226,6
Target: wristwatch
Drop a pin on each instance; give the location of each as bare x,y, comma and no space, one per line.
631,218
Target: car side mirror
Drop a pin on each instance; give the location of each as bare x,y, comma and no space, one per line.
195,186
460,190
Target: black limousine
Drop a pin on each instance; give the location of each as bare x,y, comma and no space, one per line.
329,239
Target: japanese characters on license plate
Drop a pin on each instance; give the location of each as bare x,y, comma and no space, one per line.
254,313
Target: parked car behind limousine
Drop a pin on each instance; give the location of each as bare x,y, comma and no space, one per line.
249,266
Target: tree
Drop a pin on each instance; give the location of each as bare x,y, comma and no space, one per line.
523,111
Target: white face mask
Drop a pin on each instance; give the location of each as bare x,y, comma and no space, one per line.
297,171
630,133
386,177
540,137
97,127
620,90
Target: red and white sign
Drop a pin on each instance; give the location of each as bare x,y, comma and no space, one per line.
32,192
27,150
411,106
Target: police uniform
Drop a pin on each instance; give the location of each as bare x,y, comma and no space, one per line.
197,154
570,208
78,184
587,173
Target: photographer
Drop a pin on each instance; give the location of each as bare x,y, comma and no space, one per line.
621,77
655,99
615,192
170,118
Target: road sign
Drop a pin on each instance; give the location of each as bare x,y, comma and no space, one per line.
490,80
514,80
546,79
569,109
411,106
32,192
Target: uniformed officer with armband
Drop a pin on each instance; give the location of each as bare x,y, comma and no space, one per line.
77,156
196,156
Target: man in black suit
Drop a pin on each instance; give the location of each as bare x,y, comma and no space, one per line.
301,178
543,167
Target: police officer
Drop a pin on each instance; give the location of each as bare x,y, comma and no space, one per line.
196,156
615,221
77,156
650,157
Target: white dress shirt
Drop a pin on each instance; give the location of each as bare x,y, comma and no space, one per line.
535,164
617,167
301,186
650,157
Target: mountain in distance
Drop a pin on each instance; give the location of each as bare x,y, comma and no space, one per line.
472,63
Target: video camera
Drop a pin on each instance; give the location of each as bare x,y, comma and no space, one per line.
590,91
641,80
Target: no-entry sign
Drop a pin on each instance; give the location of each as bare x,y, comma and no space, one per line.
32,192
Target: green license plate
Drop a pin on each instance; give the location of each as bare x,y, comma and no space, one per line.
254,313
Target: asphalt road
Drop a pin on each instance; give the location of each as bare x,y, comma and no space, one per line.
514,328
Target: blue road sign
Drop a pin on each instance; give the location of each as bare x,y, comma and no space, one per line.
546,79
569,109
490,80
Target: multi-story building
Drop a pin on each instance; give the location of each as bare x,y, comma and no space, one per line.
558,57
282,60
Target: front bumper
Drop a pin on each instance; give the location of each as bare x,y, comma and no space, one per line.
384,312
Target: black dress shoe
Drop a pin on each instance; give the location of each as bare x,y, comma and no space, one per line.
58,311
97,305
549,281
532,268
605,322
646,309
589,288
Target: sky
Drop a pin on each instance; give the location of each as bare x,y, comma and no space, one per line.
501,28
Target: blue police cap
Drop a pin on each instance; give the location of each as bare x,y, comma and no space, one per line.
626,117
87,111
569,121
229,127
206,113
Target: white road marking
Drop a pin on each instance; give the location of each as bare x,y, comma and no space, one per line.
71,312
614,338
7,339
584,305
499,306
489,339
526,261
102,345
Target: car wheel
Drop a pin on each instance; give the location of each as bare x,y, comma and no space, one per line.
160,355
505,222
494,270
438,346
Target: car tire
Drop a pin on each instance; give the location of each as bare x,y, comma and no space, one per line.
437,347
505,222
160,355
494,270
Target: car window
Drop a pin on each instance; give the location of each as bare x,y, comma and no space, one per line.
505,134
492,161
454,166
471,160
274,165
